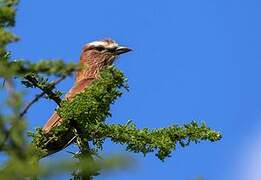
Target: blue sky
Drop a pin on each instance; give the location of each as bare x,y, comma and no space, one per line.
192,60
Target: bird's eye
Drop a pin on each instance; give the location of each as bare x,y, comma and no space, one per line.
100,48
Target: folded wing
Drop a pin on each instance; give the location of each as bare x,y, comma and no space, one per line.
55,120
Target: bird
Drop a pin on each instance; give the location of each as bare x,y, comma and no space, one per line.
94,57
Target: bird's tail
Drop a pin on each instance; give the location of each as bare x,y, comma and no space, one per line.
54,145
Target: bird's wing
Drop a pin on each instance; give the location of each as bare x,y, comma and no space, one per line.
55,119
79,87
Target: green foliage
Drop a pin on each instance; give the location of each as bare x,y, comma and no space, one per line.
90,108
94,103
5,38
16,168
7,16
162,140
47,67
7,19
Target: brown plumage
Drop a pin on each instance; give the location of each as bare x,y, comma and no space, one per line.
94,57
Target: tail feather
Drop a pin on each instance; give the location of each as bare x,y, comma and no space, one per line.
67,138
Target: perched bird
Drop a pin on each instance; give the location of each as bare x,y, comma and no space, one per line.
94,57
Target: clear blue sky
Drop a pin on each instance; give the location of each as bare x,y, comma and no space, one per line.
192,60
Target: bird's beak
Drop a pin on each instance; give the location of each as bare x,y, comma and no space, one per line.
122,50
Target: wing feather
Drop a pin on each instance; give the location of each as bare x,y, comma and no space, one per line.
55,119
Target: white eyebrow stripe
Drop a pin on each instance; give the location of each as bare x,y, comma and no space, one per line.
104,44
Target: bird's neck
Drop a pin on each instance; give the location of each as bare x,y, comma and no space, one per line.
91,65
91,71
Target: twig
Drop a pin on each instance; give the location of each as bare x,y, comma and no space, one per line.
38,96
69,142
3,85
85,152
48,91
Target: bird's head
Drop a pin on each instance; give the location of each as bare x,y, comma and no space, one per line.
98,54
102,52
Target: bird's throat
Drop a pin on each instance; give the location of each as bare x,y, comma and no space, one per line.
88,72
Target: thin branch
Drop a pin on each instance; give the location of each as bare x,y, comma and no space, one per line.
38,96
85,152
3,85
47,90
